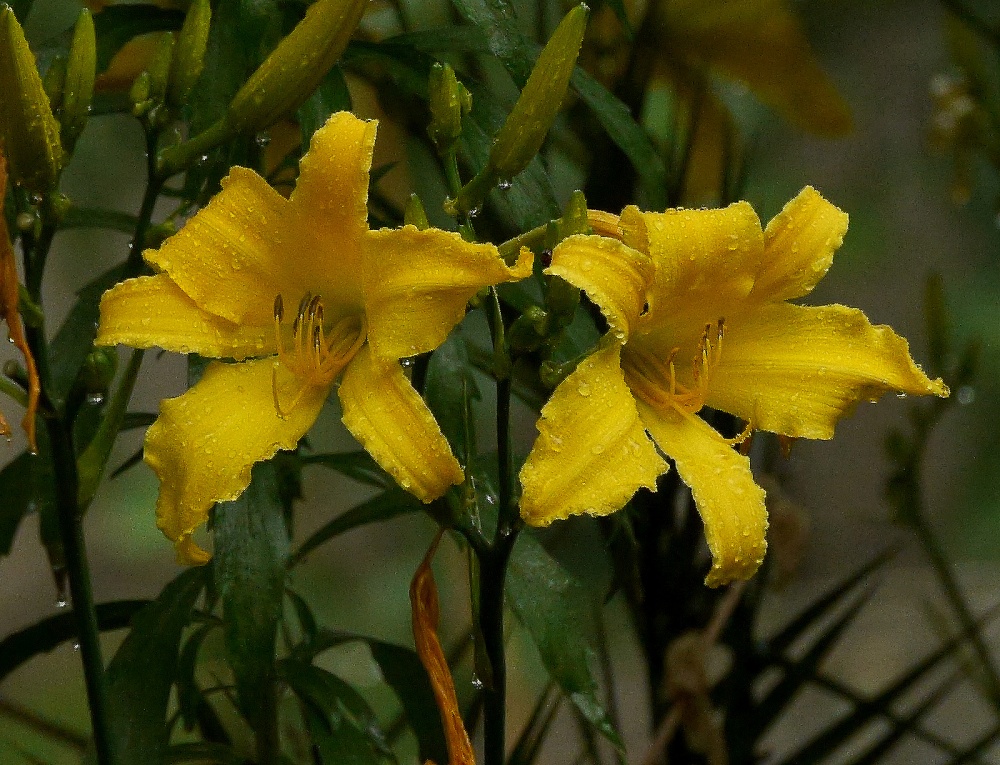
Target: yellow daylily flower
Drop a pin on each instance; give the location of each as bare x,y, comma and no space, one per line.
697,305
366,299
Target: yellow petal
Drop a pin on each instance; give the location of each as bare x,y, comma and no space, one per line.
394,425
239,251
592,452
614,276
799,243
417,284
731,505
153,311
797,370
331,194
762,43
204,442
706,262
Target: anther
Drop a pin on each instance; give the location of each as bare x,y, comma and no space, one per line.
279,308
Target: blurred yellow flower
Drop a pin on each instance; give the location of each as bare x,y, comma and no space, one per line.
366,299
697,305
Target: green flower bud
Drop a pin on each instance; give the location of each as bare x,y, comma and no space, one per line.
80,73
189,56
551,373
526,126
414,213
55,80
449,102
159,68
562,298
529,330
139,94
99,370
27,126
296,66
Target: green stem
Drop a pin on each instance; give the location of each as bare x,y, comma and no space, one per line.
81,594
492,572
177,158
530,239
493,561
154,182
267,737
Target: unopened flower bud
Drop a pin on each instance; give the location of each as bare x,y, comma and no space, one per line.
529,330
159,68
80,73
296,66
526,126
414,213
449,102
27,126
99,370
55,80
189,55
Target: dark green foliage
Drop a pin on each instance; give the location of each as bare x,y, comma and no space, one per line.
143,670
251,550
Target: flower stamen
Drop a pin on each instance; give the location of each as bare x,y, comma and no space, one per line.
315,357
655,380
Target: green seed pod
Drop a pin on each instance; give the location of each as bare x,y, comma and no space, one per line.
79,88
27,126
449,101
414,213
526,126
296,66
189,56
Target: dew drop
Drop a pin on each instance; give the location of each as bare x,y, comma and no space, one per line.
965,395
584,389
95,398
61,601
76,647
504,185
262,140
477,683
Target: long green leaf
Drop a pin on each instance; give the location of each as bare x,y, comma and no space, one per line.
142,671
251,549
75,338
777,643
557,612
803,670
358,465
343,726
17,495
382,507
53,631
403,671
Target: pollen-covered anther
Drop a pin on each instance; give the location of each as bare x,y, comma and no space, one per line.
316,356
655,380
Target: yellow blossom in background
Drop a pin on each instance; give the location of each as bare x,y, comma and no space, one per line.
680,44
697,305
228,285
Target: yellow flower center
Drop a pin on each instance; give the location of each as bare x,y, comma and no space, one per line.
655,381
316,354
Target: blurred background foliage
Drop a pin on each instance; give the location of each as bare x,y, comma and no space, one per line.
919,173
